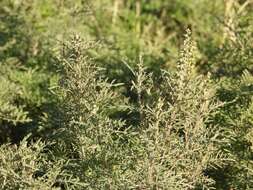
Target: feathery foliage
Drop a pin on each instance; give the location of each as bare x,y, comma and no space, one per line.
131,103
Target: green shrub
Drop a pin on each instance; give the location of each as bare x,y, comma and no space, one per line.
171,147
27,166
129,111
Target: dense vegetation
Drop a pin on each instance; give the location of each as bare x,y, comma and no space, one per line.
126,94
